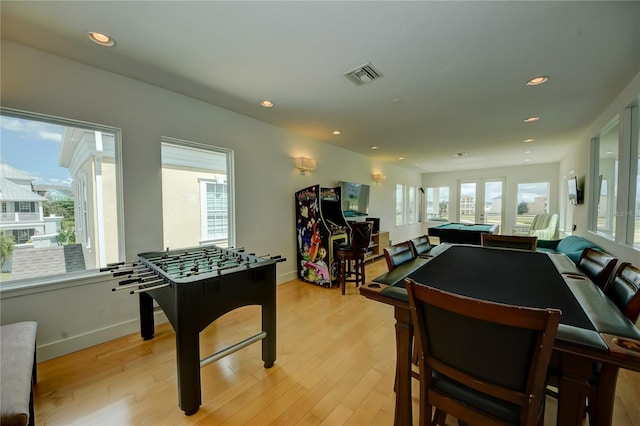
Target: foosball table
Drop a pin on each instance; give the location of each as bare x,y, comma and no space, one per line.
194,287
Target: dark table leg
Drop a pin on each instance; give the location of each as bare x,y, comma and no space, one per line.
603,396
188,358
147,326
573,389
404,334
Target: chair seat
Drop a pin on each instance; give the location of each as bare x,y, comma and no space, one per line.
502,410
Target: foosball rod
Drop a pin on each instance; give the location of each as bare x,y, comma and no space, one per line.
196,253
144,290
138,284
233,348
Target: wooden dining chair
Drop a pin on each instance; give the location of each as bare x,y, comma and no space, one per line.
597,265
510,241
482,362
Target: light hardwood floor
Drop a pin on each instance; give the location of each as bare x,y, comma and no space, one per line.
335,365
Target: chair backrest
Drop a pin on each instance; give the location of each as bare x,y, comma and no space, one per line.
398,254
624,290
597,265
360,235
510,241
545,226
482,362
420,245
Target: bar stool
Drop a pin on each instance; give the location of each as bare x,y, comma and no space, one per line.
354,252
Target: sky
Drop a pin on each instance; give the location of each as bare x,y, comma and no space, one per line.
33,147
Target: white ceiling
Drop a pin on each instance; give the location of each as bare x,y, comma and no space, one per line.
454,72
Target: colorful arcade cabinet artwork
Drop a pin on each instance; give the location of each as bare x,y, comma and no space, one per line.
319,226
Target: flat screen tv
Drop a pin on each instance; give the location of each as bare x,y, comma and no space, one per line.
575,194
355,199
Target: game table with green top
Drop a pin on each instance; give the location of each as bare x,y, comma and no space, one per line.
462,233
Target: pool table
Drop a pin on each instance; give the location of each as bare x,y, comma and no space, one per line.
593,333
462,233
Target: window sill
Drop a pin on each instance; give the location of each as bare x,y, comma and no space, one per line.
24,287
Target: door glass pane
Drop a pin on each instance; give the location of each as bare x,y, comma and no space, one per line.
467,212
493,203
608,180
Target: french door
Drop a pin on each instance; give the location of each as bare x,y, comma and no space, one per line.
481,201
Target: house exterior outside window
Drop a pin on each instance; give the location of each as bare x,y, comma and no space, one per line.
196,178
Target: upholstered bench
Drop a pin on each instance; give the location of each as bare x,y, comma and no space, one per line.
17,373
572,246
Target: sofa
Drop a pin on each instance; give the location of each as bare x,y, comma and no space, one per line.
572,246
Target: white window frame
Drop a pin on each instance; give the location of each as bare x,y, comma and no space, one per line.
627,172
401,216
204,210
230,182
63,279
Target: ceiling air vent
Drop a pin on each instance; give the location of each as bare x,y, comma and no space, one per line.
363,74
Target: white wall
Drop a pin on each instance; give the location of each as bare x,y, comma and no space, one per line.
265,179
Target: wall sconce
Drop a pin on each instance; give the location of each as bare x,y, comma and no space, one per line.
305,164
378,177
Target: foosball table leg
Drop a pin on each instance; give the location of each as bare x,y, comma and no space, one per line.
269,342
188,360
147,325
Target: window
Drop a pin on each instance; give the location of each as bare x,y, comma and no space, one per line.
46,165
215,206
438,203
23,207
400,199
411,205
196,178
634,199
533,199
615,164
607,183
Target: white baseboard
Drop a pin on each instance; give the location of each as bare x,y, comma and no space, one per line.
95,337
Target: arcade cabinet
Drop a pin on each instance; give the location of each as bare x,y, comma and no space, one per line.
320,225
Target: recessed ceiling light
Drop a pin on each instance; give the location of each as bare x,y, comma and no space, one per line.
336,133
527,152
101,38
375,147
266,103
538,80
400,158
528,140
531,119
526,160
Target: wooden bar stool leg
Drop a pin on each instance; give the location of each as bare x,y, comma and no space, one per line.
343,274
